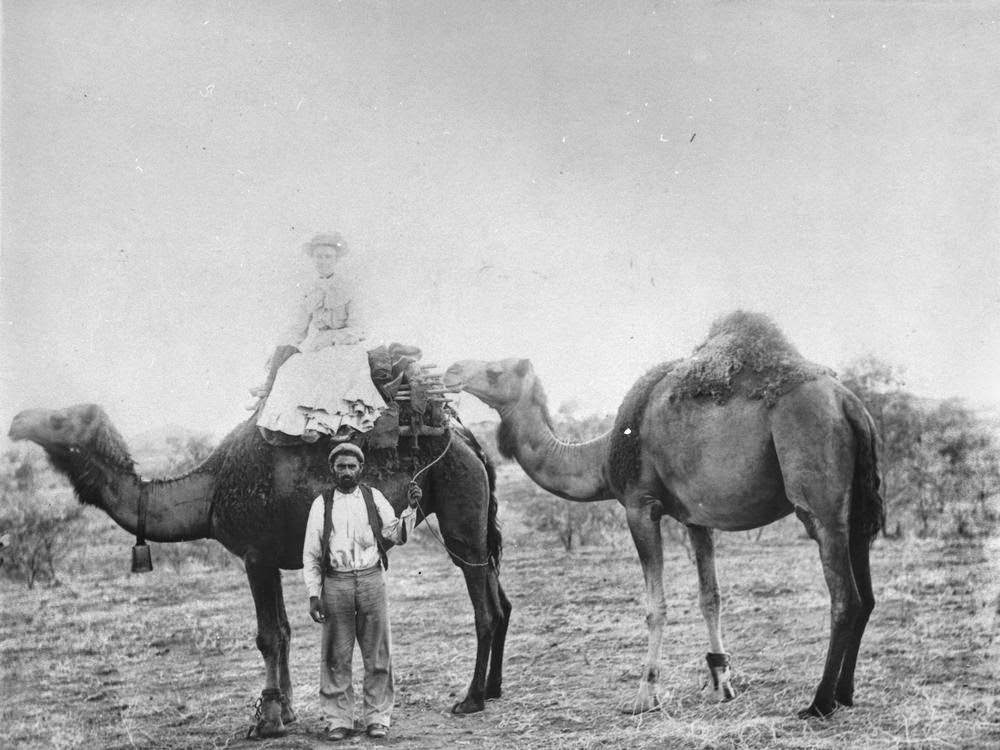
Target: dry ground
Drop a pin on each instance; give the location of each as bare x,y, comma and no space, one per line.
167,660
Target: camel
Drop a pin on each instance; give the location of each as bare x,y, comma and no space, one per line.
736,437
254,498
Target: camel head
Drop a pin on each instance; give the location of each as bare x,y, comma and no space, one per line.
496,384
83,428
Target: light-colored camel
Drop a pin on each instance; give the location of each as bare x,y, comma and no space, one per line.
728,462
254,498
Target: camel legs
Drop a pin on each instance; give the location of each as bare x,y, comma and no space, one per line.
463,511
284,674
491,631
495,677
863,578
845,615
711,606
643,515
818,473
272,640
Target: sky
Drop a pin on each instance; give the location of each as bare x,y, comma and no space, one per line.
588,185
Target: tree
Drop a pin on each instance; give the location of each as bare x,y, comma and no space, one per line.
938,459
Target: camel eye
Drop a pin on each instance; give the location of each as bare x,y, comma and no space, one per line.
57,422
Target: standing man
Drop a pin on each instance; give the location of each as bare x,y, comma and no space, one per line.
343,564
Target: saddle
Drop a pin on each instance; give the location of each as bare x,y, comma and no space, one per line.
415,399
413,392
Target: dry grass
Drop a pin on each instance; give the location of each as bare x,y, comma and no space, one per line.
110,660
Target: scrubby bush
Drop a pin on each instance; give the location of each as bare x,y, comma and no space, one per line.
42,527
184,454
203,553
579,524
940,471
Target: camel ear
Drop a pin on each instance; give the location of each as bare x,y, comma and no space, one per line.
90,413
523,367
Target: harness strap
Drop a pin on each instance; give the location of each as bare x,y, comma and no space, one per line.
140,530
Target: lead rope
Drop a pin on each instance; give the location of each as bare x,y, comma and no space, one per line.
435,533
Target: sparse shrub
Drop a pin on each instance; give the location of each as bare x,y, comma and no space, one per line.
938,459
579,524
41,528
205,553
184,454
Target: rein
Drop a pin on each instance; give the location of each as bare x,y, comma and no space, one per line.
434,533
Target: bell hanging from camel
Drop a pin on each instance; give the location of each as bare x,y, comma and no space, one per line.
142,560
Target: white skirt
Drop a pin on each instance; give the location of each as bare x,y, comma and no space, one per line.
323,390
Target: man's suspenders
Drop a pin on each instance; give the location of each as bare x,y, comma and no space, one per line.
374,520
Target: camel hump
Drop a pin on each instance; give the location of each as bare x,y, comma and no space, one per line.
746,355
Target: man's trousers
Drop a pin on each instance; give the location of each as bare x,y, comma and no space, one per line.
356,609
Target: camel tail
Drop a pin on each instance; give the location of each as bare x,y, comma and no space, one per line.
867,506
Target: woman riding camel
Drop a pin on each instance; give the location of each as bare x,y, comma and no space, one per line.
320,380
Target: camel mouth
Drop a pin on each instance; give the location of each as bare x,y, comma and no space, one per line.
18,429
453,380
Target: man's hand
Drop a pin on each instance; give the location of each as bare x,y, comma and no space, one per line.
316,610
413,494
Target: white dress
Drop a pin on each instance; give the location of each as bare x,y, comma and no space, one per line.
328,385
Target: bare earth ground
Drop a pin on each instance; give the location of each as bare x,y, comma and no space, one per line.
167,660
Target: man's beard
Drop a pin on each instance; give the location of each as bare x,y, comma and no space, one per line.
347,484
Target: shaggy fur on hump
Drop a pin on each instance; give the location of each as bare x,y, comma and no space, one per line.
745,354
245,473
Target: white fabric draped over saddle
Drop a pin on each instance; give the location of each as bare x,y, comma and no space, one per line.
323,390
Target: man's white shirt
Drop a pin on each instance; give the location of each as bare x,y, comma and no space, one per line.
352,543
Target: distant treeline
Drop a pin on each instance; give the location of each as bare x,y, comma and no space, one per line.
939,461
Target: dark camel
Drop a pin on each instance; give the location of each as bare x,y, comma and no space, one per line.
254,498
716,460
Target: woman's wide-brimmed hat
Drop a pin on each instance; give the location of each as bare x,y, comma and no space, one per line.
330,239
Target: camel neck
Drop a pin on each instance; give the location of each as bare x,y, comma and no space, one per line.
573,471
176,509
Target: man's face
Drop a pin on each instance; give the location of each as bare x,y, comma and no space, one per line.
347,472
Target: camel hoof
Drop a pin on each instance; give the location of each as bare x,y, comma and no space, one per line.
815,711
288,715
720,672
493,692
269,717
267,728
846,700
468,706
721,694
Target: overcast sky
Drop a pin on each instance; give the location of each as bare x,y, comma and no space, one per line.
585,184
